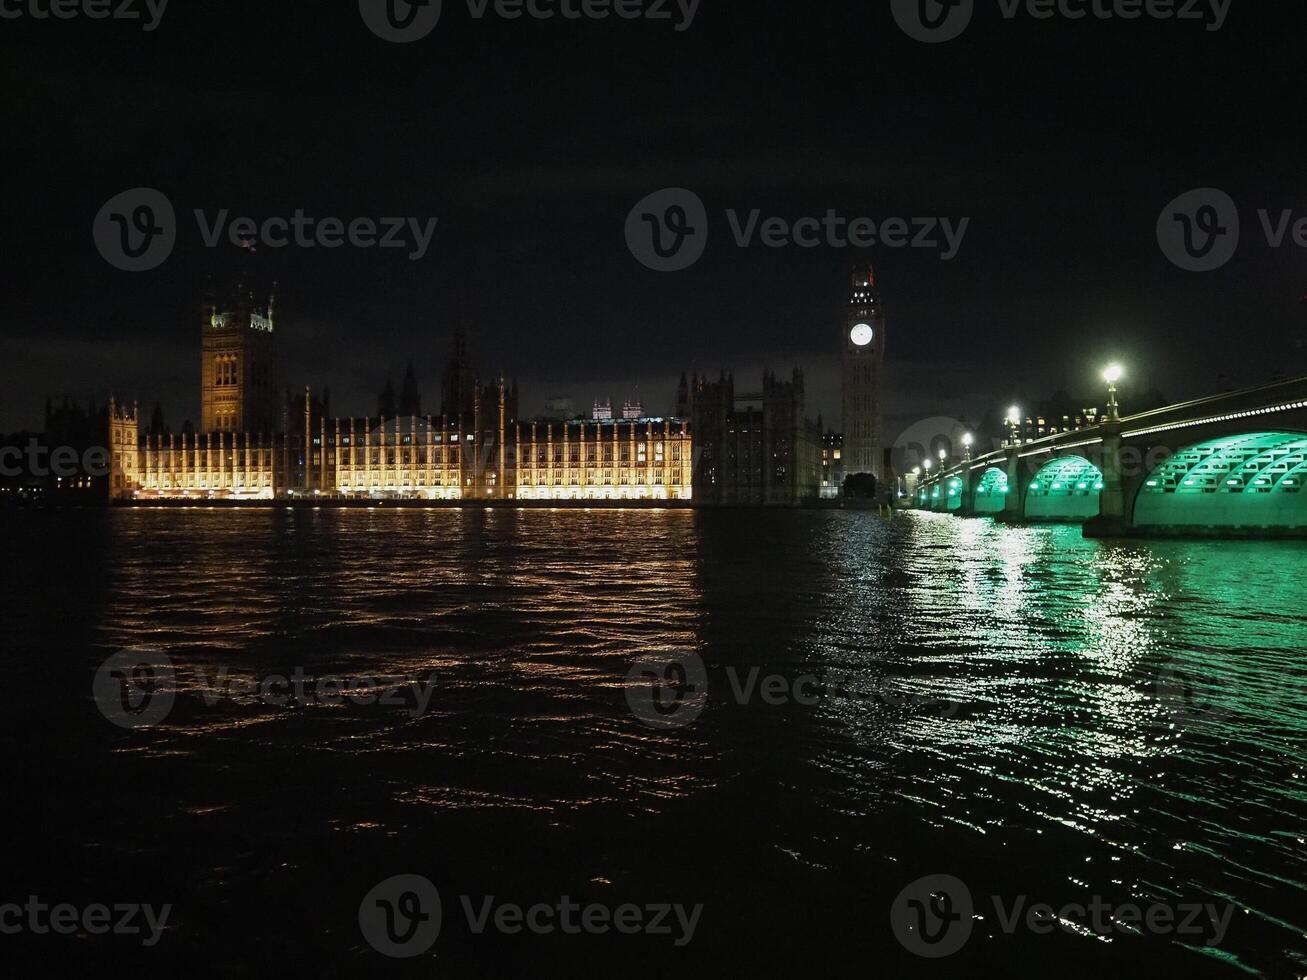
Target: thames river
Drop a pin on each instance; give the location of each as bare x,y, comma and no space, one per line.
1045,719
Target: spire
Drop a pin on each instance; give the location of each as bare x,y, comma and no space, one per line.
410,399
386,406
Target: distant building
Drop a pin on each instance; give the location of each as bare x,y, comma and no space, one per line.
754,449
67,463
410,399
750,449
458,383
1057,414
603,410
832,463
407,403
387,403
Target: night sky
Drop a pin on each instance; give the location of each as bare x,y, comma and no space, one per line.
531,141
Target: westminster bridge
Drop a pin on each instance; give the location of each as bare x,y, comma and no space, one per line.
1232,464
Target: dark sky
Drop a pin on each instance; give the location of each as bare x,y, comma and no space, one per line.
1060,140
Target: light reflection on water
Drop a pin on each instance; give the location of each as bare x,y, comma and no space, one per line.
1062,769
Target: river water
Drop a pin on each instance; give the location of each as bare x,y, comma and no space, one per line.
1045,719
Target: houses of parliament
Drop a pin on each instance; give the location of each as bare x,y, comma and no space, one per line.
258,443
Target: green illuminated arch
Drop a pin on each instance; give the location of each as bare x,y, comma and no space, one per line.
954,499
991,492
1252,480
1066,489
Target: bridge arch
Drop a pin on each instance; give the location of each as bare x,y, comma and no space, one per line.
953,493
1068,488
991,492
1255,480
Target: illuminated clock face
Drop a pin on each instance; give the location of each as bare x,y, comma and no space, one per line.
861,335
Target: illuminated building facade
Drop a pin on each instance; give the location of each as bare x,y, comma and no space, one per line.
487,457
477,449
832,464
757,449
238,387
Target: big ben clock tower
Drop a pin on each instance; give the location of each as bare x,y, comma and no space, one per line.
863,332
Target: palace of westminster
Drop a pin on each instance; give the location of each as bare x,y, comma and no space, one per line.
724,447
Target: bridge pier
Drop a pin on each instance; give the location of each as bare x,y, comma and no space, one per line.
967,503
1016,485
1111,519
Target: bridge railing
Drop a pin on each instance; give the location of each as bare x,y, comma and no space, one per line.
1286,394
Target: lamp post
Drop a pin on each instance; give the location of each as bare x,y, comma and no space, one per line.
1112,375
968,440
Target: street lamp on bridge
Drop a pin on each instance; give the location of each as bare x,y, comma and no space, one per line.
968,440
1113,374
